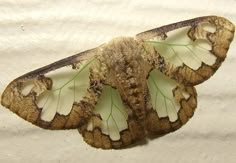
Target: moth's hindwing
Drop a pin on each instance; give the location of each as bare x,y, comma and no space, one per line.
172,104
110,126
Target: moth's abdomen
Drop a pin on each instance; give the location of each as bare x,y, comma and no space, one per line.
127,72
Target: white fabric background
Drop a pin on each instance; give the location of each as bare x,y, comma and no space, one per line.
34,33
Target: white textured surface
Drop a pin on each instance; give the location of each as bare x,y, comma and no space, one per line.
34,33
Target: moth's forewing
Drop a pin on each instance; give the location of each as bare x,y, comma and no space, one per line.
47,96
193,49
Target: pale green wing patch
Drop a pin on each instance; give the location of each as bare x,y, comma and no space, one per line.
69,86
172,104
163,99
112,113
179,50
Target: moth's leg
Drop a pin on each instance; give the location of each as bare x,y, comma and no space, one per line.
112,125
199,56
169,104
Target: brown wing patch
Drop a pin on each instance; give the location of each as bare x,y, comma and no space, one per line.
96,138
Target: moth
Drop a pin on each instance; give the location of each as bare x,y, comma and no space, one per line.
128,89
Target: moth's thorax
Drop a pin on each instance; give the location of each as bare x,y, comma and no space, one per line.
127,71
